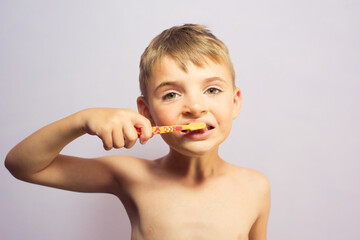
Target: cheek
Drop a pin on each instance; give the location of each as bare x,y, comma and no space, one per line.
164,115
224,116
223,109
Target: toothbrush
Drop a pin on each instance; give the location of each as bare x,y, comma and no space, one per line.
175,128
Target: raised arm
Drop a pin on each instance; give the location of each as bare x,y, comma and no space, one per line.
36,159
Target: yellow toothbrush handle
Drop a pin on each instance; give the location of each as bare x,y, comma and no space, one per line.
165,129
174,128
162,129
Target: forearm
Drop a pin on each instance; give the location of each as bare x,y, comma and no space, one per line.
37,151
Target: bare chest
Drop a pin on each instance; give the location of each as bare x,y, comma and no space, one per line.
171,212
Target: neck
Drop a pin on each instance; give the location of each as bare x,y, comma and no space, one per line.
193,169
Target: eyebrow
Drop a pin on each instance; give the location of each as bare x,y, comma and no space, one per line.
168,83
214,79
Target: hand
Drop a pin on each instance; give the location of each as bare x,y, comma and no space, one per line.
116,127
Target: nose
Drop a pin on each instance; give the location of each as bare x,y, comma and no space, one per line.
195,106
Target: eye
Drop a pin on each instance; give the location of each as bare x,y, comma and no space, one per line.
170,96
213,91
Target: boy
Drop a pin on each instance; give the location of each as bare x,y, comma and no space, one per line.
186,76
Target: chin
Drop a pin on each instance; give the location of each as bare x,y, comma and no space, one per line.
195,149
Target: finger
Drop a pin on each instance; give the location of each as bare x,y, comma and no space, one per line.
118,138
130,135
106,138
145,127
146,134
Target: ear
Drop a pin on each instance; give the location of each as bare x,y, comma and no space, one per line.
143,108
236,103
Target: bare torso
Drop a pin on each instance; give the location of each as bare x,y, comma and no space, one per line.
162,207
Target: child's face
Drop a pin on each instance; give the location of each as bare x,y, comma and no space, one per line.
203,94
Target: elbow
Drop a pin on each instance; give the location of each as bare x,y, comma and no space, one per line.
8,163
11,166
17,167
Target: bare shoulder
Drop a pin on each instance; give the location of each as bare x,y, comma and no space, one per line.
250,178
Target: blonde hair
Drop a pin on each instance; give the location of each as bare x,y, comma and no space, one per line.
189,42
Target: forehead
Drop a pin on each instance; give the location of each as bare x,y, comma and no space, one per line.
168,69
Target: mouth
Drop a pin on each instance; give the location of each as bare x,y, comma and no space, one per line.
199,131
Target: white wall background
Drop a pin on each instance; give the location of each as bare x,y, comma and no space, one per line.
297,63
